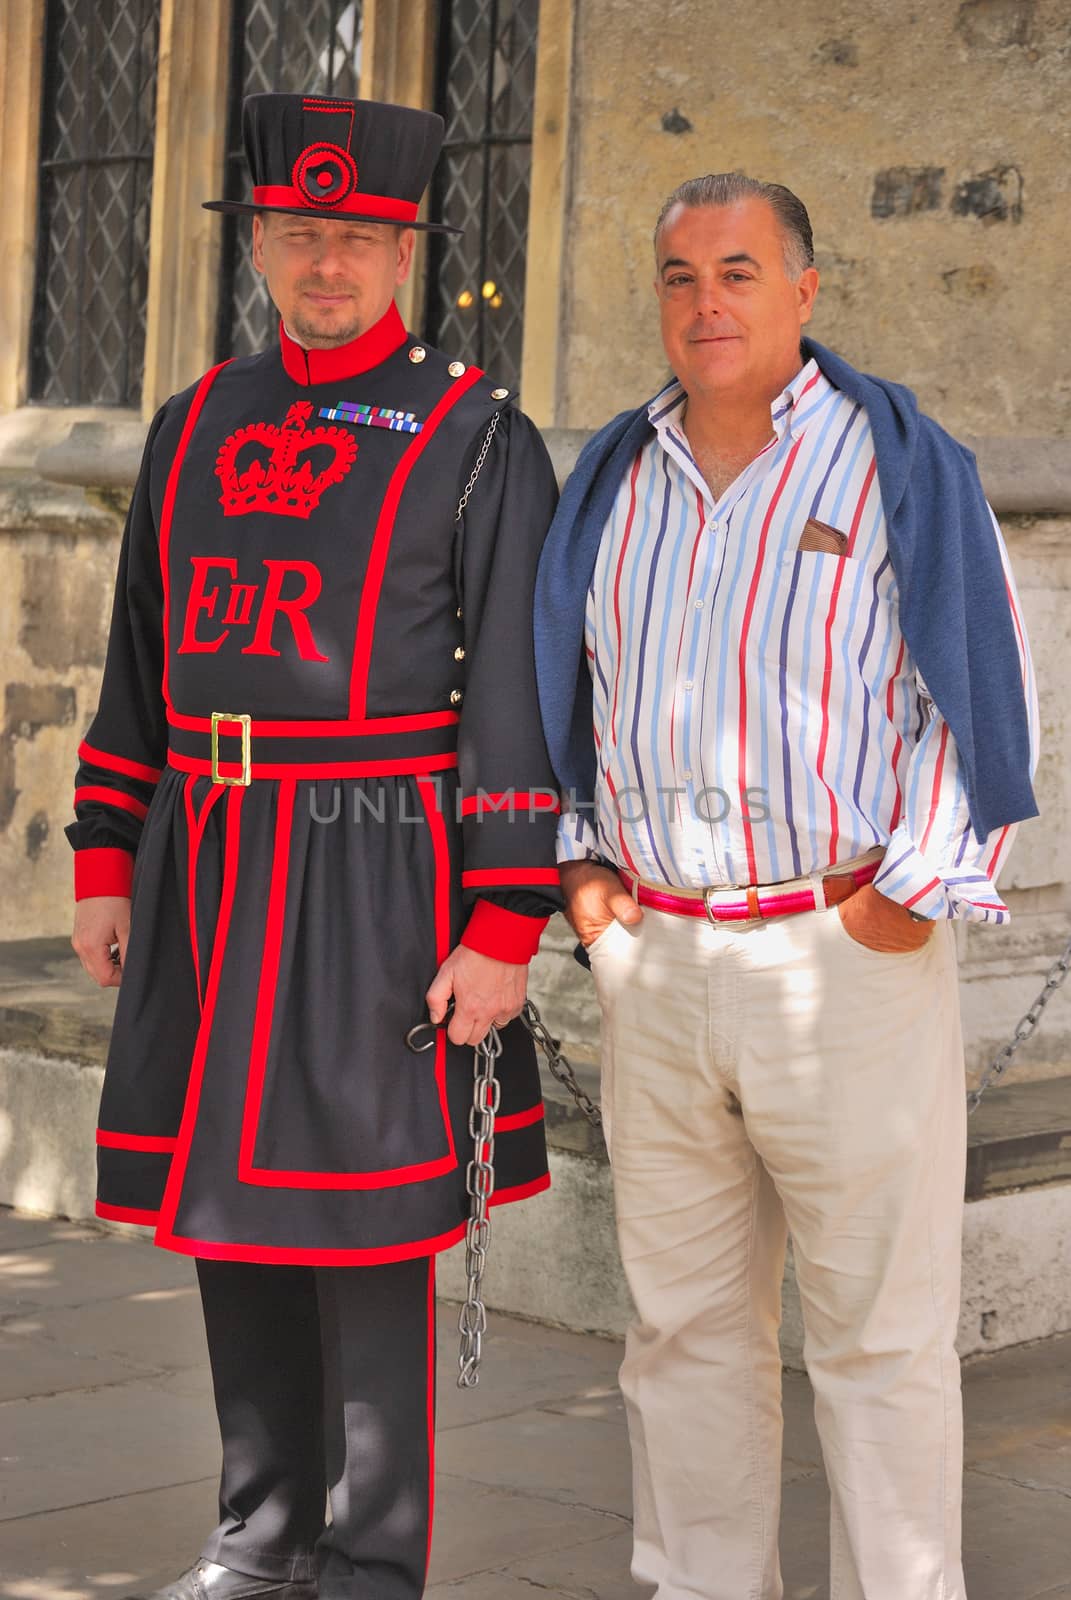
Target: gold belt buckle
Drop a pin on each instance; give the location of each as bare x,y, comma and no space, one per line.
245,722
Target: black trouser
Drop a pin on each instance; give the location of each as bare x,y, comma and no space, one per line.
324,1382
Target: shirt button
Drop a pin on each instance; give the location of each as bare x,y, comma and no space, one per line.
686,775
699,605
689,687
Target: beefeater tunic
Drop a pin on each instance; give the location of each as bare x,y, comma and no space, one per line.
292,556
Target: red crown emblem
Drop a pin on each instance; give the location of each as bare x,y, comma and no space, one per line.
285,483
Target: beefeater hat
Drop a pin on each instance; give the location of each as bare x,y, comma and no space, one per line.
362,160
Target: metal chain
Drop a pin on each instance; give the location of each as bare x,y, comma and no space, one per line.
560,1066
478,468
480,1183
1023,1028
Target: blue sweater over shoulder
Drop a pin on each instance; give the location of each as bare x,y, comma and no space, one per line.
954,611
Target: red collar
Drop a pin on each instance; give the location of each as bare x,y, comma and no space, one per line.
344,360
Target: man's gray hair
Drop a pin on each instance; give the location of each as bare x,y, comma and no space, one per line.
729,189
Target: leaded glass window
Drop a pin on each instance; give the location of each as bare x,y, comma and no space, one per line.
88,335
277,48
486,93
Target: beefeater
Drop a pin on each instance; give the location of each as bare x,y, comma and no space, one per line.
315,799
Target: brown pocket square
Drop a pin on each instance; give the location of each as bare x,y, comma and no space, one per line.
820,536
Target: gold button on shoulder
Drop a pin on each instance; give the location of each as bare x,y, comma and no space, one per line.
460,613
499,394
459,653
417,353
456,369
456,697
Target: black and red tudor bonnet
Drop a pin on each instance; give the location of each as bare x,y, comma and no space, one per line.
357,159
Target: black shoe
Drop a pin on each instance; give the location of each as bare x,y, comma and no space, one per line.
206,1580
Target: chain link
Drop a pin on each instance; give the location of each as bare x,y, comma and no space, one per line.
478,468
480,1184
560,1066
1023,1028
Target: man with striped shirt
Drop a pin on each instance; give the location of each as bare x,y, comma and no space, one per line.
787,692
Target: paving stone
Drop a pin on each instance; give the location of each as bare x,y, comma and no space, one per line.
32,1366
75,1272
1016,1544
94,1445
154,1330
111,1548
575,1461
521,1370
479,1529
20,1231
596,1571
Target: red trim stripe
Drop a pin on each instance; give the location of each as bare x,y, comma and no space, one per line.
505,878
135,1141
386,1177
337,728
168,510
414,766
195,828
520,1119
431,1408
112,797
377,560
269,978
143,1219
177,1174
284,1256
510,800
130,769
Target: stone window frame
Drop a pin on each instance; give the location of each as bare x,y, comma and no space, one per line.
398,63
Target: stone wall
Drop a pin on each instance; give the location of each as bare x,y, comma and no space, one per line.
58,551
929,140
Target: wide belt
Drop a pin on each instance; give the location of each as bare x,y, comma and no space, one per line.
757,901
232,747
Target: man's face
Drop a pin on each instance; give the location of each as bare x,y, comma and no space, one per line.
731,316
331,279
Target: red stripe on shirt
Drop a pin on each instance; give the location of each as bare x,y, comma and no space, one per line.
749,841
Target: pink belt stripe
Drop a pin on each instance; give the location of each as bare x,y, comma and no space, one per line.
772,902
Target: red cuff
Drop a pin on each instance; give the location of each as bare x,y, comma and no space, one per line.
504,935
102,872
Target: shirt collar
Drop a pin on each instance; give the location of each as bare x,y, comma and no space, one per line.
787,413
309,367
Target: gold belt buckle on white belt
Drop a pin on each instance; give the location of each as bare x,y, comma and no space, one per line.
245,722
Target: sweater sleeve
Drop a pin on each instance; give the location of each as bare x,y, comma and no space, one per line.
122,756
509,800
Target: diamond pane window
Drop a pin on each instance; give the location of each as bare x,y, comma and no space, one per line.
277,48
486,93
88,335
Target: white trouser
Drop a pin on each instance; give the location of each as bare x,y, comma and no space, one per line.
758,1074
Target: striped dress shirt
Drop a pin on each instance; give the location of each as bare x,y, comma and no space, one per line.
758,716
